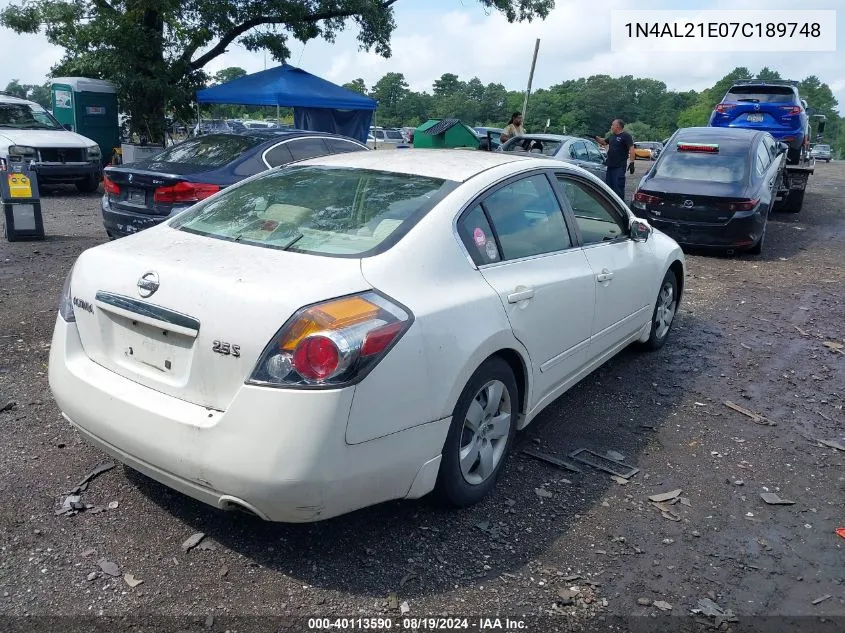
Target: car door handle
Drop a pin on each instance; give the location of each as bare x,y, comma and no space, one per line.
521,293
604,275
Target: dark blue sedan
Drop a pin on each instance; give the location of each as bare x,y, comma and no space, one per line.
145,193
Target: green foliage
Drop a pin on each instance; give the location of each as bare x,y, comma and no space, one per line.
33,92
356,85
155,52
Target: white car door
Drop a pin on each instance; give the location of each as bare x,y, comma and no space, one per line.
624,270
518,237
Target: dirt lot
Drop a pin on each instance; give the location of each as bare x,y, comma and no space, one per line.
751,331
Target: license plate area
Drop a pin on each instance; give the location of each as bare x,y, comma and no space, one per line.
135,196
147,350
755,118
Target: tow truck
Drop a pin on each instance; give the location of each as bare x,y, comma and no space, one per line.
793,183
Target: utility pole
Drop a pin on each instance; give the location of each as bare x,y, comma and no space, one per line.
530,79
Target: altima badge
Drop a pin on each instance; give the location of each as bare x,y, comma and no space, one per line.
148,284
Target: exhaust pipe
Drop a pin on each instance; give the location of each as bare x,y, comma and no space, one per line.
228,503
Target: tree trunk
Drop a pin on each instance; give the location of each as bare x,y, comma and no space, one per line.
148,92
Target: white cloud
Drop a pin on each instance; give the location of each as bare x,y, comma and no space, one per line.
575,42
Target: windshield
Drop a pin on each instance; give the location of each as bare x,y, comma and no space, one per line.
319,210
761,94
393,135
823,148
27,116
534,146
722,168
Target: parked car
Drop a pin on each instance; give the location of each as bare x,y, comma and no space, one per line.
31,133
212,126
648,150
821,152
385,138
340,332
141,194
770,106
572,149
495,134
714,187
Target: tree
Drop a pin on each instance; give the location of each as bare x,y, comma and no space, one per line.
156,52
448,84
390,91
33,92
356,85
229,74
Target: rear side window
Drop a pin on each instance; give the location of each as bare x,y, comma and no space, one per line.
475,231
278,155
208,152
761,94
339,146
304,148
724,168
578,150
763,159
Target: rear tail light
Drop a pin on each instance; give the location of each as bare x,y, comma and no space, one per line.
332,344
742,205
723,108
184,192
110,186
66,300
647,198
790,110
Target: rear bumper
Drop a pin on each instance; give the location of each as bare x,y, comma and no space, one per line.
280,453
741,232
122,222
67,173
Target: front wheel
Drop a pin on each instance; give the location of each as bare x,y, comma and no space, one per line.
665,309
480,436
89,185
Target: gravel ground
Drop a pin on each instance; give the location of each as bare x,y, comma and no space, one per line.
752,330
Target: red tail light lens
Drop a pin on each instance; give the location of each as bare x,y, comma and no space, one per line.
184,192
333,343
647,198
791,110
316,358
109,186
723,108
742,205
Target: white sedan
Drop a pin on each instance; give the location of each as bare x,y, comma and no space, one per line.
356,328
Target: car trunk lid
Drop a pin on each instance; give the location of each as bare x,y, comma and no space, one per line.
710,204
198,335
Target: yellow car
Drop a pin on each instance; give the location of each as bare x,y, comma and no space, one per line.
648,150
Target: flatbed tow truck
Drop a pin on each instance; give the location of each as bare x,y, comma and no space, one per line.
793,183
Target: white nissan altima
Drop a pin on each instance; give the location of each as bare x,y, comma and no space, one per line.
356,328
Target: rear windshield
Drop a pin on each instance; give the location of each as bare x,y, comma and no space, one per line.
723,168
534,146
319,210
204,152
393,135
824,148
761,94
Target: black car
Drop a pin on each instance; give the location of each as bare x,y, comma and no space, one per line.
145,193
713,188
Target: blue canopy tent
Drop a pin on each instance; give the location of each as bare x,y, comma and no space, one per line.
317,104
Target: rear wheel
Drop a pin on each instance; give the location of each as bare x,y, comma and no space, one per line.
89,185
793,156
793,201
665,309
480,436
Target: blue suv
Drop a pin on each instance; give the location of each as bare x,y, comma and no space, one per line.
769,106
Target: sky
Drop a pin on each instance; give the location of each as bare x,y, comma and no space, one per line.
457,36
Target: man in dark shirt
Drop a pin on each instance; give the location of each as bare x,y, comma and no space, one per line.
620,156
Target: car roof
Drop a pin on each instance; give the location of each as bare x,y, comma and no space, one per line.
548,137
7,98
447,164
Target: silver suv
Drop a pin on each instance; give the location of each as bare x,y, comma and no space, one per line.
31,133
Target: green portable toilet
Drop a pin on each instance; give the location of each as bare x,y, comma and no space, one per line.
89,108
440,133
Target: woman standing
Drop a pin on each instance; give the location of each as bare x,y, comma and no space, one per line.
514,127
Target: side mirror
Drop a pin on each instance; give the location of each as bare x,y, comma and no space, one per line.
783,148
639,229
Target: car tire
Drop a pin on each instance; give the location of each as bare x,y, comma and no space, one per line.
665,309
757,249
89,185
793,156
794,201
482,431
